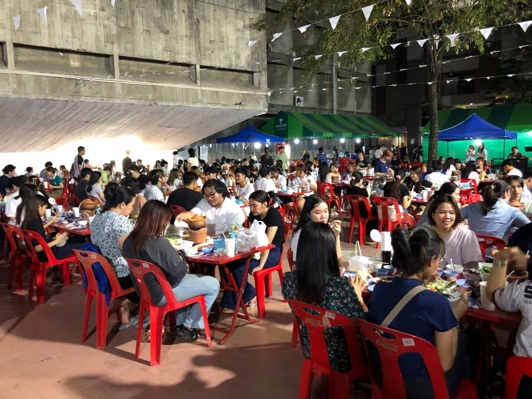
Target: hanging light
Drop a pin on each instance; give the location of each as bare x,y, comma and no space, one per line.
357,141
296,141
256,145
478,142
342,140
315,141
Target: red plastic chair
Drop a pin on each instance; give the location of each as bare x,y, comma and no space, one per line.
327,190
407,221
474,198
516,368
63,199
176,209
139,269
387,222
87,260
487,241
355,201
264,281
390,347
38,268
317,320
18,256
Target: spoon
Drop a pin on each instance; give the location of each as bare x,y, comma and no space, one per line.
452,264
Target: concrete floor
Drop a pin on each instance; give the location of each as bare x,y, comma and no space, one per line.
42,355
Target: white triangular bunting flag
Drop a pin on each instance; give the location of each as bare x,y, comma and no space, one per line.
408,2
422,66
16,21
367,11
394,45
403,69
77,4
276,36
429,83
364,49
421,42
297,59
113,2
334,21
486,32
448,81
317,56
488,77
524,25
510,75
386,73
452,37
42,13
393,85
251,43
303,29
340,53
469,79
494,52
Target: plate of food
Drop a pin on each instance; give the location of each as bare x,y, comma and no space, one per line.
440,285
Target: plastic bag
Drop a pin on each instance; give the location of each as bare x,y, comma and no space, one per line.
260,228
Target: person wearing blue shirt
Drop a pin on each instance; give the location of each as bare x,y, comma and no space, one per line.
494,216
382,165
428,315
321,155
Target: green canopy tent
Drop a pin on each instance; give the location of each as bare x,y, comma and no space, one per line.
302,125
515,118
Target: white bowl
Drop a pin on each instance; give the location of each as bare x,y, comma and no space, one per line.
82,222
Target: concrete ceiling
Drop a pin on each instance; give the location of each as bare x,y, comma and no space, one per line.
34,125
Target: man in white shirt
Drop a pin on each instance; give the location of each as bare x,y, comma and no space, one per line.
155,190
220,212
175,159
265,183
527,180
510,169
243,188
436,177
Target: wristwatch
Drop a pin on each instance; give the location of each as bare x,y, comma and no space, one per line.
497,262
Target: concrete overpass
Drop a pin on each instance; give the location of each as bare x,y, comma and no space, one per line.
160,75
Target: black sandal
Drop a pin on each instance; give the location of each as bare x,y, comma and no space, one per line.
186,334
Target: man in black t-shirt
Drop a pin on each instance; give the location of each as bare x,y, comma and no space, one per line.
134,172
81,188
186,197
126,162
77,165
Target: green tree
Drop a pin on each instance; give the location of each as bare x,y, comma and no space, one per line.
433,20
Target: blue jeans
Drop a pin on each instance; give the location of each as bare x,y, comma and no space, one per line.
237,270
194,285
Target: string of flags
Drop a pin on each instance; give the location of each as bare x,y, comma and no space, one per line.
368,75
43,10
485,32
301,89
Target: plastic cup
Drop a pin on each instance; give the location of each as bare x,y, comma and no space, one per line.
230,246
59,209
45,184
484,300
425,195
76,212
48,214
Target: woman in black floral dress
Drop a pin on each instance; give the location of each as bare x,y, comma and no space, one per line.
317,281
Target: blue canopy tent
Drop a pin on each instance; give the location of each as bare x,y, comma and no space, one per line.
250,135
474,127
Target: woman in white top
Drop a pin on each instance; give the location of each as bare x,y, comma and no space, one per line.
333,176
481,152
173,179
94,189
470,172
470,154
192,158
265,183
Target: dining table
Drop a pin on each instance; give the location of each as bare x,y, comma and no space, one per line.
72,228
207,263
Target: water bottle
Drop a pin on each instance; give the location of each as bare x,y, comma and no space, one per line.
232,232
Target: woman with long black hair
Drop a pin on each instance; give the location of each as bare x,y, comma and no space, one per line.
146,242
317,281
398,190
94,189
